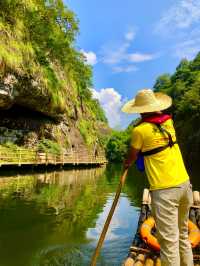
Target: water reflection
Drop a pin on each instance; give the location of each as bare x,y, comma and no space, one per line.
54,218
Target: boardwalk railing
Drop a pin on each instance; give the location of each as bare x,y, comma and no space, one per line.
32,157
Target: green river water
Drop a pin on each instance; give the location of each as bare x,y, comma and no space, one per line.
54,218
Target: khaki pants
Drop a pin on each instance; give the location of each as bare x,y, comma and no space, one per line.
170,208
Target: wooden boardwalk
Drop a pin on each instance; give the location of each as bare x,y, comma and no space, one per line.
22,157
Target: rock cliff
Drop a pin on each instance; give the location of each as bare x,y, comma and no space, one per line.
45,98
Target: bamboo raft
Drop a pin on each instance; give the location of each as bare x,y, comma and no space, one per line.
140,254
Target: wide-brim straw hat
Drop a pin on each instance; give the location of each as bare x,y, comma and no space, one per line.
147,101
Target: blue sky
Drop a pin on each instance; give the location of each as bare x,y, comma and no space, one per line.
130,43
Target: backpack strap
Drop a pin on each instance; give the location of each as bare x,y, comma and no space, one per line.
163,130
162,148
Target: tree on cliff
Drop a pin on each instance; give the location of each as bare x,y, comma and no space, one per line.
37,46
42,70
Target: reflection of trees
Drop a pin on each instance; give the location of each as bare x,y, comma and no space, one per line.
56,208
134,185
18,186
57,190
49,209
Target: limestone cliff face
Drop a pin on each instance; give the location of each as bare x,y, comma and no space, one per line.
26,119
44,80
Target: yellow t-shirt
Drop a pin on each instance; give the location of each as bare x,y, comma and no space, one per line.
164,169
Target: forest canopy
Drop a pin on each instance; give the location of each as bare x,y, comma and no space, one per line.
184,88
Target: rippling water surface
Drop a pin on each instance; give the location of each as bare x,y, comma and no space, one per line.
54,218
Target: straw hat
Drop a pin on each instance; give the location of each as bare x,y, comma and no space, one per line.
147,101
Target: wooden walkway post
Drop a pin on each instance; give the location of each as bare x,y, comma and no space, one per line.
19,161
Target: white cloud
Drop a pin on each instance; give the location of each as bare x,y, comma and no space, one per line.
187,49
90,56
139,57
115,54
124,69
119,54
180,23
111,101
130,35
188,46
182,15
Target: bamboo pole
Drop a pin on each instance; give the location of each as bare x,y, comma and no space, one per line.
196,198
145,197
108,220
158,262
140,259
149,262
129,262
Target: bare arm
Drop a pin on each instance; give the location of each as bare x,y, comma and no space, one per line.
131,158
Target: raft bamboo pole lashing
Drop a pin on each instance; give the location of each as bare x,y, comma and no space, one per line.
149,262
143,250
108,220
129,262
158,262
196,198
140,259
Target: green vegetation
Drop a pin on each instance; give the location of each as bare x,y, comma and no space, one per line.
87,132
36,41
49,146
37,44
97,111
10,146
47,73
11,152
118,145
184,87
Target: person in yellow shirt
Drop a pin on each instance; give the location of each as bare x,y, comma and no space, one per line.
154,147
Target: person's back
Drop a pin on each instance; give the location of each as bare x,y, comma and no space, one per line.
166,168
155,139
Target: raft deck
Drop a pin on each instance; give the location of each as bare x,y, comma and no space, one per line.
140,254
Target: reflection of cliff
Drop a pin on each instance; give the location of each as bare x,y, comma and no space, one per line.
76,194
48,209
51,187
66,187
51,213
70,177
134,185
60,189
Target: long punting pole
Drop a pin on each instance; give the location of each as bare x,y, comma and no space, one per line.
107,223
